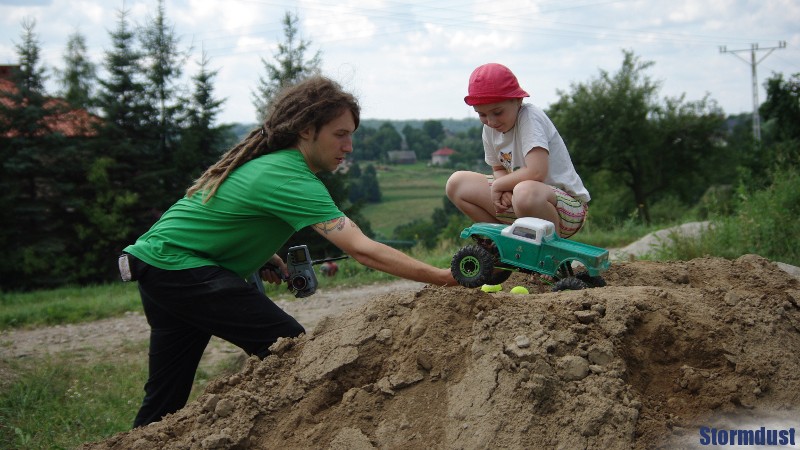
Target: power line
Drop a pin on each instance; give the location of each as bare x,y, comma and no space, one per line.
753,63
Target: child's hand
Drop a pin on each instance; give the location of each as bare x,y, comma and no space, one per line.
501,200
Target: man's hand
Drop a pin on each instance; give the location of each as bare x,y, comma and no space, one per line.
275,270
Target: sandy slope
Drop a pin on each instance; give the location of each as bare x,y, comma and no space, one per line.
664,349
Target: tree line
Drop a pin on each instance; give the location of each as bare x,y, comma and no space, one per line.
86,172
73,196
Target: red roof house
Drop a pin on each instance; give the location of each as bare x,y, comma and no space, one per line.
442,156
71,122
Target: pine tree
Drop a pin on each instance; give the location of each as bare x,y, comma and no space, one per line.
121,199
370,186
354,193
128,117
202,141
163,70
31,226
289,68
131,131
31,76
79,75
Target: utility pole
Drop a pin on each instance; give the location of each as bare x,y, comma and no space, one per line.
753,63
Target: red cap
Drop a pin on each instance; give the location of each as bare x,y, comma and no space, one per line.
493,83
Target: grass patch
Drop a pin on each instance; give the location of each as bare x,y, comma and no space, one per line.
55,402
617,235
67,305
62,401
763,224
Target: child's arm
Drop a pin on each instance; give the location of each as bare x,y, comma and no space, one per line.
500,198
536,162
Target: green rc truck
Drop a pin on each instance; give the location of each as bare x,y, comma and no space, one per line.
528,245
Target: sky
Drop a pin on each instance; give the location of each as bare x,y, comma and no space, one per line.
411,59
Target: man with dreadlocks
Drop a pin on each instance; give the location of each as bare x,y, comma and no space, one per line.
193,263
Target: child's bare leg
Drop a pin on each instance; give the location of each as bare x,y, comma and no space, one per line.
471,194
535,199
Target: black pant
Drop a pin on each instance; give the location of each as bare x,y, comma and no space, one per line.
184,309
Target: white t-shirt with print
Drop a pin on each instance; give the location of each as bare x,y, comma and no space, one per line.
534,129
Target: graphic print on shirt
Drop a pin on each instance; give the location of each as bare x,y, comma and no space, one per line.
505,160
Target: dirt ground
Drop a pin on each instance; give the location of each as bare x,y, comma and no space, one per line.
663,349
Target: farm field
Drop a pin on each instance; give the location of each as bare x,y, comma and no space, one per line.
409,192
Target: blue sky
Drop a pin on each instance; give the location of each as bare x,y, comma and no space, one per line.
412,59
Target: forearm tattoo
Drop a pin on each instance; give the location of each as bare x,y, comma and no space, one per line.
334,225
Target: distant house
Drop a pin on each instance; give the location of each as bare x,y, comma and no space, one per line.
442,156
402,157
71,122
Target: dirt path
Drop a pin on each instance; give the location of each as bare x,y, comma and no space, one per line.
105,336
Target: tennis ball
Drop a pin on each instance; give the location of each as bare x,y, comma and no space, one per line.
519,290
491,288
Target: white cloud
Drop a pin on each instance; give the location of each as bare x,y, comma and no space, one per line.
332,25
412,58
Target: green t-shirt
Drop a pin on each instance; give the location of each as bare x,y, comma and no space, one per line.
255,210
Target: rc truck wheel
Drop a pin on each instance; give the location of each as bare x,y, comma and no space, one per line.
569,284
499,276
594,282
564,271
501,273
472,266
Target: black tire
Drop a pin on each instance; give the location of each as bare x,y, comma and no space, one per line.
569,284
564,271
473,266
594,282
499,276
501,272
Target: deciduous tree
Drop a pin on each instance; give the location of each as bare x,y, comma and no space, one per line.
616,123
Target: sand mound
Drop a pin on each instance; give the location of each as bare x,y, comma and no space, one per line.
641,363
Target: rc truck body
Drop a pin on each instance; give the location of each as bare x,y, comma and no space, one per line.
529,245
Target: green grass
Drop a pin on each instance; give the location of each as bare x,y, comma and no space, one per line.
60,402
764,224
67,305
408,192
616,236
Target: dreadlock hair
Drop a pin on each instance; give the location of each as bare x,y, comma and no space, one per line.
312,102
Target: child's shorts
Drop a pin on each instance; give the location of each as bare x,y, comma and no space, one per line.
571,211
